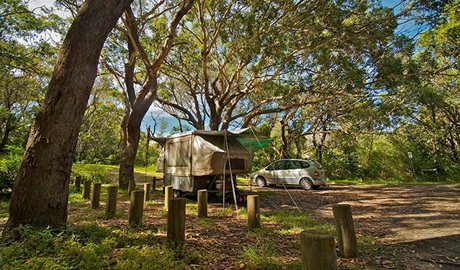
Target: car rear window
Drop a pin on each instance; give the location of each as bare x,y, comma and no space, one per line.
304,164
319,166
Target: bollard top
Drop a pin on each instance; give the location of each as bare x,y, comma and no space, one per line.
341,205
316,234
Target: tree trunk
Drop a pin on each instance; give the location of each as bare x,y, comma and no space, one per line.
130,143
41,189
6,133
139,105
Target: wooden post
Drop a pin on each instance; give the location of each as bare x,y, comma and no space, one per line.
131,186
136,208
77,182
253,212
112,195
147,187
168,195
96,195
202,203
176,222
345,228
154,183
86,189
318,251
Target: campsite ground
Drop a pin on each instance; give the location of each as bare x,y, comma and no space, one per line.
406,227
420,223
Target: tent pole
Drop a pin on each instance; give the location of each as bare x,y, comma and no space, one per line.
231,174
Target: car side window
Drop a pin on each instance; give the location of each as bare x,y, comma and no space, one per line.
279,165
304,164
297,164
293,164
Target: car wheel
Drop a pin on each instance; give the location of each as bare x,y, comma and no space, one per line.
306,183
260,181
315,187
177,193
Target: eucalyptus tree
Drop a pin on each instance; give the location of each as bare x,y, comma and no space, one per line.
247,59
436,104
41,188
135,57
96,142
24,50
363,78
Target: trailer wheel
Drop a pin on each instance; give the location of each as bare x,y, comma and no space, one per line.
177,193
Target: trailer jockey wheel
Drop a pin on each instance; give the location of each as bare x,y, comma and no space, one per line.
177,193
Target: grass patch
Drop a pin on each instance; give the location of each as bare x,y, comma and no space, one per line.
4,206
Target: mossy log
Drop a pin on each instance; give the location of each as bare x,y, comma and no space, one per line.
112,196
95,199
168,195
176,222
318,251
136,208
131,186
253,212
147,188
346,236
86,189
77,182
154,183
202,203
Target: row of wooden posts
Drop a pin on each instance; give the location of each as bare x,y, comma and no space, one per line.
317,247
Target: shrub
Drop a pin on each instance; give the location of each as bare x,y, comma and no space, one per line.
9,167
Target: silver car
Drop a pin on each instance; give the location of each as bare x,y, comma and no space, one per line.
307,173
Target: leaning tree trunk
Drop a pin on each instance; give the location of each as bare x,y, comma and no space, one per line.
40,194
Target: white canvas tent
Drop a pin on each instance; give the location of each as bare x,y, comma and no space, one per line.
197,159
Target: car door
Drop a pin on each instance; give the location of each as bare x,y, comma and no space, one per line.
276,172
293,172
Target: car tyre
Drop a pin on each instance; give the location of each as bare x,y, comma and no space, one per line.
260,181
306,183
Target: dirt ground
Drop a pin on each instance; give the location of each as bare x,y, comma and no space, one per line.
422,222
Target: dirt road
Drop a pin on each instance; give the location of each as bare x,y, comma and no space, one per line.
421,221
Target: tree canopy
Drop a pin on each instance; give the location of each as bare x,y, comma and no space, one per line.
354,84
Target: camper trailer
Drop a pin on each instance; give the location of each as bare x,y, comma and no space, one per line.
209,160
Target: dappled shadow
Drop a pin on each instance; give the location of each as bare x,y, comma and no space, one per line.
404,216
432,253
401,212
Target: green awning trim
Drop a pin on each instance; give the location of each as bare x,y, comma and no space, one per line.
255,144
